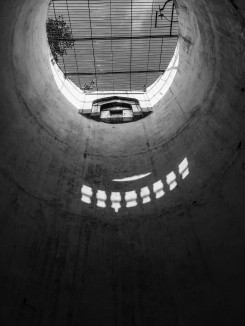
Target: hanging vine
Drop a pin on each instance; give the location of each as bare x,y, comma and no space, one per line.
59,37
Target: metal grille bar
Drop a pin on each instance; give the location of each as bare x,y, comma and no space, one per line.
117,38
112,72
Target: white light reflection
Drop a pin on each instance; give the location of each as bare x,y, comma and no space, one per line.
145,195
158,189
116,201
171,180
136,177
184,169
101,198
87,194
153,95
131,198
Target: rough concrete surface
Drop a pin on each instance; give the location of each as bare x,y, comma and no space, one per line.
179,260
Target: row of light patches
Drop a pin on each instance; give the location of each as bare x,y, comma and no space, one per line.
131,196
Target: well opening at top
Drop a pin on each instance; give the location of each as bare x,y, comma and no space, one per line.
112,45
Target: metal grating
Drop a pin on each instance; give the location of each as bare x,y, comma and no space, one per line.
122,45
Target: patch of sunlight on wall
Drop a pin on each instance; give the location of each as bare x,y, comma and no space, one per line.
116,201
184,168
101,198
131,198
158,189
145,195
87,194
171,180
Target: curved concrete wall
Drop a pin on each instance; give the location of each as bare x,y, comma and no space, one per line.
178,259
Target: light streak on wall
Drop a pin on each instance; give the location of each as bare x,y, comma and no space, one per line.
184,169
134,178
133,198
101,198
